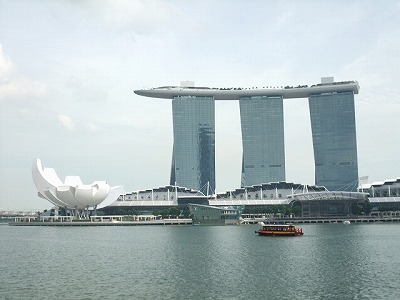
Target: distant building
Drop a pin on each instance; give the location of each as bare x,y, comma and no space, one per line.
332,115
383,194
314,201
213,215
328,204
389,188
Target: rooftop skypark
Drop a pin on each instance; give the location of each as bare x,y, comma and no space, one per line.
286,92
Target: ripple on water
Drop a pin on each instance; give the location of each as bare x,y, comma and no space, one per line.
330,261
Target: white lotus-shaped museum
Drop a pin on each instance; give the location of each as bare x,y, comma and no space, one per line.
72,194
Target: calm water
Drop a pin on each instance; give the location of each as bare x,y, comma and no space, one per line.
331,261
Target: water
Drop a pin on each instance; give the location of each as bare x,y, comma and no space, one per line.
331,261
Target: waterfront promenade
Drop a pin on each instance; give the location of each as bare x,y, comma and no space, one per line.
117,221
365,219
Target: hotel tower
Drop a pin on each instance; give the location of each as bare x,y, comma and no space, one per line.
332,116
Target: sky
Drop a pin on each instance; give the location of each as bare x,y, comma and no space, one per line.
68,70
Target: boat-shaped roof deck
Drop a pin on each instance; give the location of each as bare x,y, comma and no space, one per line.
301,91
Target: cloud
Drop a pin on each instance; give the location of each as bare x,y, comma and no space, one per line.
66,122
143,17
85,90
91,127
6,65
377,69
14,84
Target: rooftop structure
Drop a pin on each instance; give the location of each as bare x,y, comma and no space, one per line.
286,92
387,191
273,193
160,197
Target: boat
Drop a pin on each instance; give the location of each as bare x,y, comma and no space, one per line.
279,230
346,222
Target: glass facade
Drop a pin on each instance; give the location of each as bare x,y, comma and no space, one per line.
193,158
334,140
263,140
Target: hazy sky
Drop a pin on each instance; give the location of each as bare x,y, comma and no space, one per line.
68,70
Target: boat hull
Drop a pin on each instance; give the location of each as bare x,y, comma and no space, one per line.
274,233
